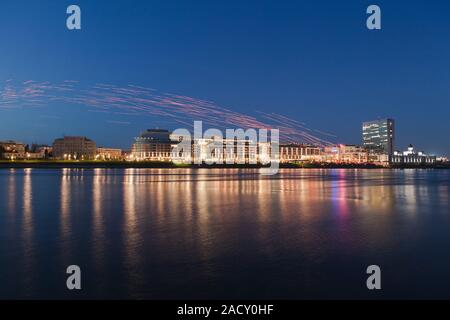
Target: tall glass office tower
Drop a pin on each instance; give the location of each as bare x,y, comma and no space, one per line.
379,135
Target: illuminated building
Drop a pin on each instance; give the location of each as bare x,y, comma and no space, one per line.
379,136
12,150
74,148
344,153
411,157
158,145
299,152
378,158
152,145
218,150
108,154
44,151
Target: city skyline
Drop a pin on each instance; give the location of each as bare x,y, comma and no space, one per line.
235,146
363,142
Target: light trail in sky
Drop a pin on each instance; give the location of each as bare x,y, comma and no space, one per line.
141,101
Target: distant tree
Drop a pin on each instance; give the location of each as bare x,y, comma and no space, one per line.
27,148
2,151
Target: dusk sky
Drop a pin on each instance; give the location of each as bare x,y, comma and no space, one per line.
311,61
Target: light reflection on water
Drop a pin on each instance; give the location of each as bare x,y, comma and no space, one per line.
223,233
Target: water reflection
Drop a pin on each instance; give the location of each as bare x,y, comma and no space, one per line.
11,193
161,232
98,220
27,205
28,244
66,203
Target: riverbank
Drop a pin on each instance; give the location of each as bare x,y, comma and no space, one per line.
155,164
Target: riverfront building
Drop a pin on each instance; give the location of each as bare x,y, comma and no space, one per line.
291,153
379,136
74,148
12,150
108,154
412,157
219,150
346,153
161,145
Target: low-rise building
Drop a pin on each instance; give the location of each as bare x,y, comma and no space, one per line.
346,153
45,151
225,151
291,153
108,154
378,158
12,150
74,148
152,145
412,157
34,156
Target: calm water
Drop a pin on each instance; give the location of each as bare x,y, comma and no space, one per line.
158,233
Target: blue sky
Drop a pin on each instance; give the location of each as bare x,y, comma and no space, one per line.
313,61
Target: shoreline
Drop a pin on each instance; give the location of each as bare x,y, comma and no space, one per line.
168,165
